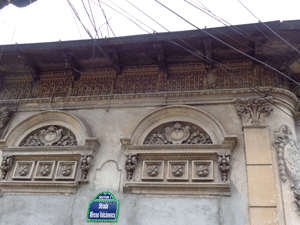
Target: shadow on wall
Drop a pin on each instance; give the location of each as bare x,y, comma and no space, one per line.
108,177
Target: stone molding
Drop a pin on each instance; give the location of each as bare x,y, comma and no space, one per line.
47,168
175,166
253,110
288,153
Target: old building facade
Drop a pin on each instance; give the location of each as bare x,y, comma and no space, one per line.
204,136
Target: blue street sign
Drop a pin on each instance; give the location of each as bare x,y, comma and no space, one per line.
103,208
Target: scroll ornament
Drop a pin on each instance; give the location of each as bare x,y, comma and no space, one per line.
224,160
51,136
178,134
289,160
6,164
130,165
85,165
254,109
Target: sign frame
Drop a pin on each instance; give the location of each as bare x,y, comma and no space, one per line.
104,197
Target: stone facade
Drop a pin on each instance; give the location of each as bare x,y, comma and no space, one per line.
183,144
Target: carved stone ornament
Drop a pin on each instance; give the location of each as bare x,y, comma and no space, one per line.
289,160
85,165
178,134
5,114
66,170
224,161
50,136
45,170
24,170
6,164
153,170
130,165
253,109
178,170
202,171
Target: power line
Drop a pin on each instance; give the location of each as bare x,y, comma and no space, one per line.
270,29
228,44
246,84
108,25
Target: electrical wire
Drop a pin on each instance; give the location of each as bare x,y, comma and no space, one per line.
228,44
246,84
270,29
76,23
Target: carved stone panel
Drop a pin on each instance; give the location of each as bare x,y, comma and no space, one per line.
44,170
66,170
23,170
178,133
178,170
50,136
153,170
202,170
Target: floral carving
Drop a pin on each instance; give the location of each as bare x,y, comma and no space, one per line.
45,170
6,164
289,160
85,165
254,109
50,136
66,170
224,160
202,171
178,133
24,170
153,170
178,170
130,165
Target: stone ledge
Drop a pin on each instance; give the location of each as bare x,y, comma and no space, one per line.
63,187
155,188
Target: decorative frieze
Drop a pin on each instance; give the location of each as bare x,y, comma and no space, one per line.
50,136
178,133
23,170
6,164
202,170
289,160
44,170
253,110
153,170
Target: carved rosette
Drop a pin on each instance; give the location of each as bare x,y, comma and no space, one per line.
224,165
253,110
203,171
6,164
50,136
85,165
289,160
178,133
130,165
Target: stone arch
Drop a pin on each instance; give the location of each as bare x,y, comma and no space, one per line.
48,118
180,113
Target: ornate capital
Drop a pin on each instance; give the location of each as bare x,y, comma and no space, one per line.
289,160
253,110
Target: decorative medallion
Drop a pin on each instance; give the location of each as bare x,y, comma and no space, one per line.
178,133
177,170
202,171
24,170
50,136
289,160
66,170
153,170
45,170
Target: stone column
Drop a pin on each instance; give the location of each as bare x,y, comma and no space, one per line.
263,204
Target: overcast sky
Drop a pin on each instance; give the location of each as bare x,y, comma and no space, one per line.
53,20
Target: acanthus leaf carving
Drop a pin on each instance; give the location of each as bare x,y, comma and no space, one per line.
6,164
50,136
130,165
178,133
289,160
254,109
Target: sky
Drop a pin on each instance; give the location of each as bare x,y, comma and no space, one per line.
54,20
